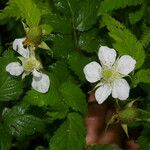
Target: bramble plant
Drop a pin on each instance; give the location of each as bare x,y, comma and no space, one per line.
54,95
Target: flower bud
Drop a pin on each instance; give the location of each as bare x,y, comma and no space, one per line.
128,115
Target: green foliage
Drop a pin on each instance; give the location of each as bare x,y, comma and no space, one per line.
74,97
109,5
125,41
5,138
23,9
137,16
20,124
77,63
145,39
144,140
72,32
10,88
142,76
68,136
89,41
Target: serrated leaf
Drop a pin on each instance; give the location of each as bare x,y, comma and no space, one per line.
126,43
59,23
52,98
77,63
5,138
83,14
89,41
109,5
70,135
10,88
20,124
62,45
142,76
74,97
23,9
87,15
102,147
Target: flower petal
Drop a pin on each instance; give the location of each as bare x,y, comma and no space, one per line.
120,89
125,64
107,56
92,72
102,93
19,47
14,68
40,82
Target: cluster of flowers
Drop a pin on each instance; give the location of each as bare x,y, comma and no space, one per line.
110,73
30,64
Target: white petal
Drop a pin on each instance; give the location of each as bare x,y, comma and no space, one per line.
14,68
107,56
36,73
19,47
92,72
41,83
125,64
102,93
120,89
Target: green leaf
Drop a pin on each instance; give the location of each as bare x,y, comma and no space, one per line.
89,41
10,88
77,63
142,76
20,124
62,45
59,23
5,138
74,97
52,98
125,42
87,15
83,14
70,135
109,5
22,9
137,16
102,147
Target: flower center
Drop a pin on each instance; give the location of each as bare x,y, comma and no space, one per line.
110,75
31,64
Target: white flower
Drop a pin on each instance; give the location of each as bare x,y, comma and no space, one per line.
30,64
110,74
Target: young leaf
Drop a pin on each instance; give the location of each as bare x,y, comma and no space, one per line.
74,97
70,135
10,88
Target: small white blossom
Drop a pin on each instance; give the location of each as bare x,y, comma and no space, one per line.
40,81
110,74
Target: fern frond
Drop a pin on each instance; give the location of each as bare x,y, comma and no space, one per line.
110,5
125,42
145,39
